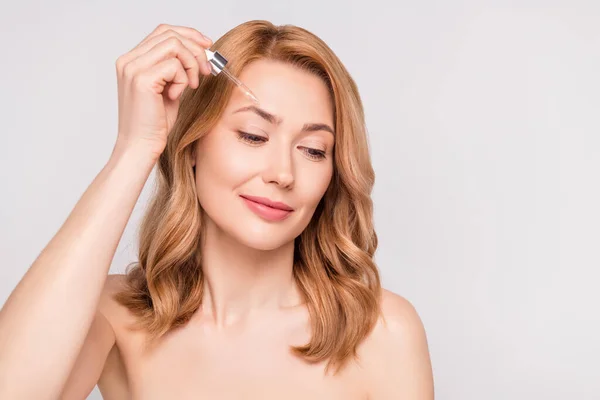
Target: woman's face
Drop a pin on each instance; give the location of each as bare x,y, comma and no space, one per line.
279,151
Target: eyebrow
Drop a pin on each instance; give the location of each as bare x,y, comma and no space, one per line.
274,120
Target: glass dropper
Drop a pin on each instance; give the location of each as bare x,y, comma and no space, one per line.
218,62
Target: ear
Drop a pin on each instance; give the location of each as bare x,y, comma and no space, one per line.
193,156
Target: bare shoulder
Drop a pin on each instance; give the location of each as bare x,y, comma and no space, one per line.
395,357
114,284
399,314
115,313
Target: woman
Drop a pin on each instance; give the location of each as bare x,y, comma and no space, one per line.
255,277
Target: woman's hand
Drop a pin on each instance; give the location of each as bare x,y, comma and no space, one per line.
151,78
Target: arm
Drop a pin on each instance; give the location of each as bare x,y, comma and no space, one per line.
99,342
45,321
53,310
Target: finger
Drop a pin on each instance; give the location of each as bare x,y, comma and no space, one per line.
170,48
193,46
190,33
169,73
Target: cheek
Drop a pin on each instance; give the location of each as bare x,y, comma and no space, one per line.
222,162
314,184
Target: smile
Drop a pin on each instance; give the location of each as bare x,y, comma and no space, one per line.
267,209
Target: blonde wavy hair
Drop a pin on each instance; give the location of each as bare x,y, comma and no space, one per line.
333,260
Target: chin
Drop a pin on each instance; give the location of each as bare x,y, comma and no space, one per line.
265,236
262,244
251,233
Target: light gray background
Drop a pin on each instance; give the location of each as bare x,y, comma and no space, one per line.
483,120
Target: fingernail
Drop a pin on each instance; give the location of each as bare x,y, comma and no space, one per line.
207,38
209,66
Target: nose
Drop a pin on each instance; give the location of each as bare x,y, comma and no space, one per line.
279,169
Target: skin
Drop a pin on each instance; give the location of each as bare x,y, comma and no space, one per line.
236,346
248,260
61,328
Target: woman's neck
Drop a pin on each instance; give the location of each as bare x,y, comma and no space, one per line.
240,281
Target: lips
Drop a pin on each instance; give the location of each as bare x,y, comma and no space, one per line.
273,204
266,208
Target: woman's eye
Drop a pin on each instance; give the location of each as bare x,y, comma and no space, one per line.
251,138
315,154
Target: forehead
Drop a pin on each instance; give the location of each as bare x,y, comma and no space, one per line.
282,89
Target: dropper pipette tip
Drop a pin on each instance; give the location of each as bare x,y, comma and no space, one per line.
241,85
